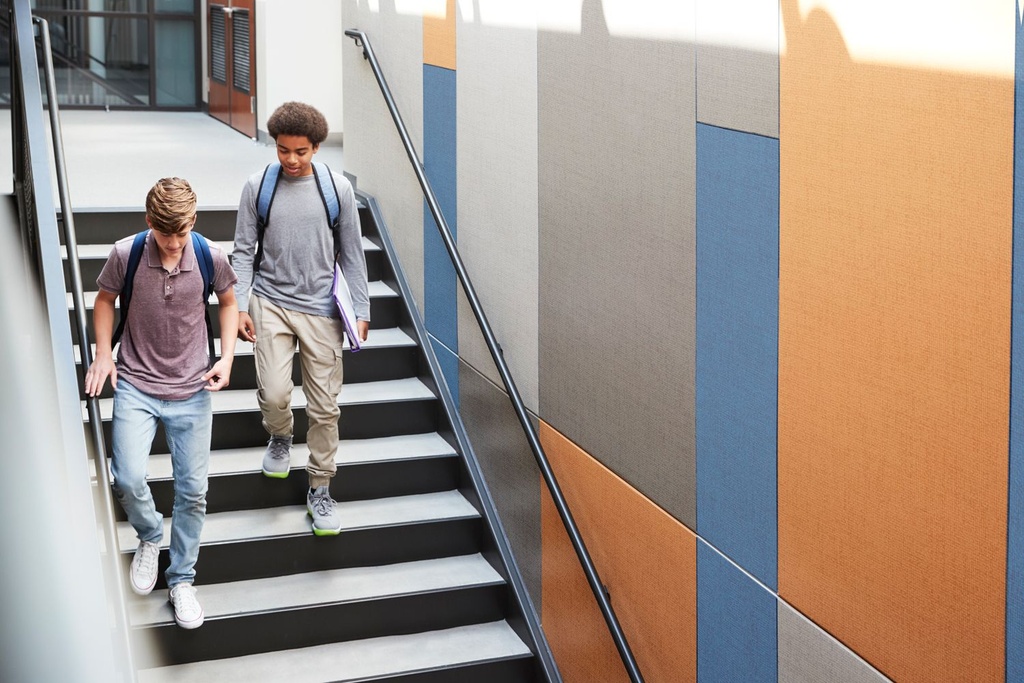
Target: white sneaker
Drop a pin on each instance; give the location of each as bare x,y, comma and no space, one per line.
142,575
188,613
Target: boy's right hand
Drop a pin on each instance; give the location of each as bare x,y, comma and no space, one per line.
246,330
97,374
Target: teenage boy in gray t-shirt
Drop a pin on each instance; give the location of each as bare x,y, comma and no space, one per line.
163,374
290,299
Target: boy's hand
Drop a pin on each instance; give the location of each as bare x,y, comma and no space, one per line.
97,374
219,375
246,330
363,328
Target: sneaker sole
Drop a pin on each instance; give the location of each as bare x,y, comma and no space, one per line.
276,475
323,532
189,625
142,591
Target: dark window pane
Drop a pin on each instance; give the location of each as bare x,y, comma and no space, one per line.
177,6
175,63
91,5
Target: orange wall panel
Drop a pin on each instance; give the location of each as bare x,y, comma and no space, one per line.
646,558
439,38
894,350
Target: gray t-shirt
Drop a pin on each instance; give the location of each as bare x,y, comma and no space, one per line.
297,266
164,351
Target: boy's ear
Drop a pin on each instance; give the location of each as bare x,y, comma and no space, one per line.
148,224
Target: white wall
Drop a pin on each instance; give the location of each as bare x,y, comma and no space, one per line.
298,57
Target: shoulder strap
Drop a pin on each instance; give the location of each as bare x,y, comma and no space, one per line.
264,200
134,257
329,195
204,259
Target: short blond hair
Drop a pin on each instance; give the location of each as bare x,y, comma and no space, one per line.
171,206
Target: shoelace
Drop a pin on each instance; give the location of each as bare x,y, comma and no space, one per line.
146,557
322,504
279,449
184,598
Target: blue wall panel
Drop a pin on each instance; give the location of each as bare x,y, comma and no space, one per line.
737,623
1015,540
737,346
440,308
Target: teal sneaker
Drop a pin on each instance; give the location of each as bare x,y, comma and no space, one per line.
324,511
277,459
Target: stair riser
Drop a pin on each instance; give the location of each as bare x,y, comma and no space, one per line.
364,421
239,636
106,227
519,670
370,364
353,482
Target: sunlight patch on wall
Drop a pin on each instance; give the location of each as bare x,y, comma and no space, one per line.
502,13
650,19
944,35
422,8
750,25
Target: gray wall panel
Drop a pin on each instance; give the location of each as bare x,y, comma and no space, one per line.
738,65
509,469
497,176
373,149
617,236
807,654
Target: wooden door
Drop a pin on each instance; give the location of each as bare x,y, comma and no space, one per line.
232,72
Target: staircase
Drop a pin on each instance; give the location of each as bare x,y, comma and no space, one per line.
413,589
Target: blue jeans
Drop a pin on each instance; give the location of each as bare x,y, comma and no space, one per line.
188,424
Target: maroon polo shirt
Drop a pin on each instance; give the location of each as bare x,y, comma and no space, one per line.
164,351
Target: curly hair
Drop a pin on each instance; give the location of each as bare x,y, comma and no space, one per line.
171,206
298,118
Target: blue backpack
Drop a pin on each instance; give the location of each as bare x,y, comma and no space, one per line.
203,258
265,199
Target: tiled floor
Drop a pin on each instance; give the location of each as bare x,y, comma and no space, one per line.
113,158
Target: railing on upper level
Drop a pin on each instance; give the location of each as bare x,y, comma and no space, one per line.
41,242
621,644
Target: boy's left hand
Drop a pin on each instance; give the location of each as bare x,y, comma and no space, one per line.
363,328
219,375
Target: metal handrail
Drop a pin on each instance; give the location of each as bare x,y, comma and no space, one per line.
621,644
49,260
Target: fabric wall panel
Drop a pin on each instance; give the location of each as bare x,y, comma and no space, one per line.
373,150
1015,537
895,245
736,623
738,65
737,346
509,469
440,309
439,44
651,576
809,655
497,180
616,176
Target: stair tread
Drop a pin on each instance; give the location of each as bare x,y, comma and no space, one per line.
377,290
333,586
291,520
102,251
244,400
358,660
350,452
384,338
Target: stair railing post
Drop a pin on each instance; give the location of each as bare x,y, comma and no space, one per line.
599,590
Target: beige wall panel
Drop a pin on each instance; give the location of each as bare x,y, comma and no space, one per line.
373,149
497,179
617,239
738,65
808,654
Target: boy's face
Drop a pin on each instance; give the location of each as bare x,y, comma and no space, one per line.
173,245
295,152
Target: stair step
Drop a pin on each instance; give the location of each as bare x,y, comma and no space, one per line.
244,400
310,589
363,660
260,524
350,452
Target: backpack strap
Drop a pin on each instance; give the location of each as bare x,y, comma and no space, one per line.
134,257
264,199
204,259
